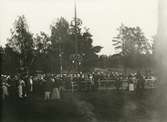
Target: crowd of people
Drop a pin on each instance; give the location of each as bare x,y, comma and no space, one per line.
51,86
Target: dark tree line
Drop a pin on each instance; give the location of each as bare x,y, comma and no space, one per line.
40,52
133,50
26,51
118,61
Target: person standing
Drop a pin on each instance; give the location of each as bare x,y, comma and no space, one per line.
31,84
55,91
5,92
140,83
131,83
21,88
92,84
61,85
47,89
26,86
118,81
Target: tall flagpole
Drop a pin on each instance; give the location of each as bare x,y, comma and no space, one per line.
76,22
75,19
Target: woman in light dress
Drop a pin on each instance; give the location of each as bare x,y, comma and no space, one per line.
20,88
5,93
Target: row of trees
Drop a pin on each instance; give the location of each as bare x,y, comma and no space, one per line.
133,49
43,52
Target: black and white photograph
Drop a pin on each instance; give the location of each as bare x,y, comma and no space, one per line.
83,60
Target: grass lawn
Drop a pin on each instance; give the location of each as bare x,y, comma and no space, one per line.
100,106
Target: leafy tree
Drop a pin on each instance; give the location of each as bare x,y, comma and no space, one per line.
42,49
9,61
21,42
88,51
131,40
62,45
64,37
132,45
42,43
59,32
46,53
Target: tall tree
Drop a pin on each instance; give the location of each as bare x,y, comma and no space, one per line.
131,44
64,37
61,43
42,49
21,41
88,51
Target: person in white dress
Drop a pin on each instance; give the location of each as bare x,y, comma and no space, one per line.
20,88
5,93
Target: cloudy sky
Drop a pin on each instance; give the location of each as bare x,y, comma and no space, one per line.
103,17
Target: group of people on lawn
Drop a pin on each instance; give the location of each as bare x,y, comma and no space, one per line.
51,86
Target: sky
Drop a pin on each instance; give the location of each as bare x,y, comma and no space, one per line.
103,17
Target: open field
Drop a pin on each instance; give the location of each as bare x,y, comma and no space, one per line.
99,106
